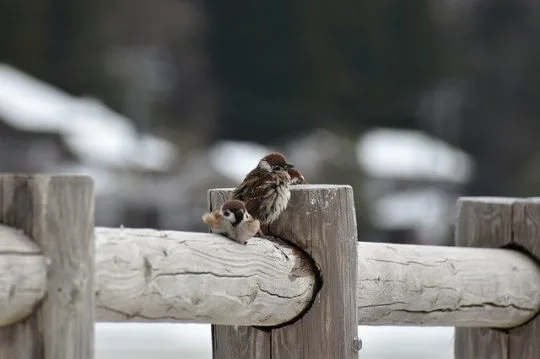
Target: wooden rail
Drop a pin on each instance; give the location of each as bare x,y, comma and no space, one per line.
144,275
23,276
156,276
445,286
58,276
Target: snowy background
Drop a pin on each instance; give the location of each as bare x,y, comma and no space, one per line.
193,341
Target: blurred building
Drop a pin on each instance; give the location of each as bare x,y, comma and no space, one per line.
43,129
414,181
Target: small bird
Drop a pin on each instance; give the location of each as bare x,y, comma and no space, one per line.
296,176
233,221
265,190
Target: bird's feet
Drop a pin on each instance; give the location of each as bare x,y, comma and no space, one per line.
260,234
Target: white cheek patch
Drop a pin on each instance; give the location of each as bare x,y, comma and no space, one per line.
265,166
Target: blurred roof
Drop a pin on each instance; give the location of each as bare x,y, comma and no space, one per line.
94,132
426,207
234,159
29,104
409,154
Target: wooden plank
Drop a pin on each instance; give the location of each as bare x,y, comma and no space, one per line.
57,213
321,221
240,342
443,286
330,327
524,341
487,223
481,343
169,276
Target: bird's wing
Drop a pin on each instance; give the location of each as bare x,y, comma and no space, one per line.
245,189
212,219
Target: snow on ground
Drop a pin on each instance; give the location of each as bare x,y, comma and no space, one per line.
193,341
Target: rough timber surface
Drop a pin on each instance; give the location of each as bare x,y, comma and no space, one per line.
321,220
23,276
501,222
57,213
524,341
484,223
443,286
169,276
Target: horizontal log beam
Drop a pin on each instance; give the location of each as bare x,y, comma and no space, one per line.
23,276
445,286
145,275
166,276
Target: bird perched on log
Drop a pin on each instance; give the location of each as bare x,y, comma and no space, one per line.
296,176
265,190
233,221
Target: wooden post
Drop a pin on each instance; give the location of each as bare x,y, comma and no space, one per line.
57,213
524,341
483,222
321,220
495,223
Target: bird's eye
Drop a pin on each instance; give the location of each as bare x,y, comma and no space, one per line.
226,213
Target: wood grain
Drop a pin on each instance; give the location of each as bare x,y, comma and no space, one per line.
236,341
524,341
486,223
445,286
57,213
167,276
23,276
320,219
241,342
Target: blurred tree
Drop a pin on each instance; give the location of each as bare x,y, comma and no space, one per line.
51,40
285,66
491,45
144,59
22,20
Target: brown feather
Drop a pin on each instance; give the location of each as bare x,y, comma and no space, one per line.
265,189
212,219
258,188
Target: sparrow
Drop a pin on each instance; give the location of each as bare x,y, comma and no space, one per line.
265,190
232,221
296,176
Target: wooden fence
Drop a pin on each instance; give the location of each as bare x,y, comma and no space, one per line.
300,298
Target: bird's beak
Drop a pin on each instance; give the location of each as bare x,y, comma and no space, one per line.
288,166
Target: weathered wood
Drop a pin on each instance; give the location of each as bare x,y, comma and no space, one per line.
230,342
320,219
23,276
445,286
168,276
483,222
242,342
524,341
57,213
397,284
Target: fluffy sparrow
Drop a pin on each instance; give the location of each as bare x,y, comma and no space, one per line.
233,221
265,190
296,176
